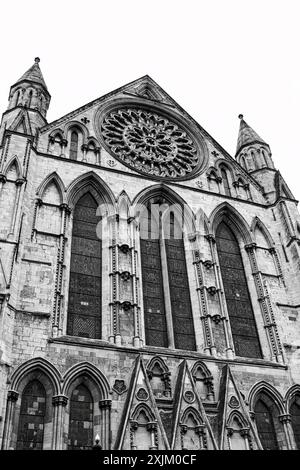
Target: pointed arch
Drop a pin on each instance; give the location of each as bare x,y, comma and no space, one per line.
203,380
52,178
57,132
239,417
99,189
290,395
22,120
148,91
229,231
203,367
159,377
195,414
123,204
267,406
212,172
86,369
143,408
241,180
227,165
69,126
163,192
93,141
258,224
269,390
14,161
165,219
33,365
225,212
157,361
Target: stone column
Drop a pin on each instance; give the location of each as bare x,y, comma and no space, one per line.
64,144
19,184
245,432
84,149
59,403
12,397
201,432
133,427
135,285
2,182
38,204
98,155
115,336
105,407
56,324
288,431
152,428
221,296
209,346
265,305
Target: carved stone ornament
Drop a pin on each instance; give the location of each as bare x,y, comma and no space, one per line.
119,386
150,143
233,402
111,163
189,396
142,394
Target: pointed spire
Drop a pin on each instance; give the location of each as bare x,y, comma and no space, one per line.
34,74
247,135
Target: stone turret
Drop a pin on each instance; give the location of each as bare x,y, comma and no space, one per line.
29,101
255,156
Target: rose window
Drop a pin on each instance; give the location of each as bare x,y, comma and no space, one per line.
150,143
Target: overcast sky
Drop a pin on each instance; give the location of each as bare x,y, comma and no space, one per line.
216,58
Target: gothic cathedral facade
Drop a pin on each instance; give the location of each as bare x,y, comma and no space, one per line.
149,282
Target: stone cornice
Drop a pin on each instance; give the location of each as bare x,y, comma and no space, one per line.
104,345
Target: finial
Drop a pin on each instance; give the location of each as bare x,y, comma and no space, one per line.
241,116
37,60
97,439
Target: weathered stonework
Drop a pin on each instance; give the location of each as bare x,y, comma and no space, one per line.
143,396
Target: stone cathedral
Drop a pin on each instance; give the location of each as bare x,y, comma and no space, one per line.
149,282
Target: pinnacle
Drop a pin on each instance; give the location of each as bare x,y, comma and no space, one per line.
247,135
34,74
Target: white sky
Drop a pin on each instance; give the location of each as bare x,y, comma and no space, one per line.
216,58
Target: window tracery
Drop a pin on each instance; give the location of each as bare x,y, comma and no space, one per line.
167,303
150,143
242,322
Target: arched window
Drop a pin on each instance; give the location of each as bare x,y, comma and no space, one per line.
265,425
84,311
81,419
17,97
159,377
193,432
154,302
225,182
32,416
165,283
243,327
143,429
264,158
30,99
74,145
295,417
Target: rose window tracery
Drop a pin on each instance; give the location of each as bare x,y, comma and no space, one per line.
150,143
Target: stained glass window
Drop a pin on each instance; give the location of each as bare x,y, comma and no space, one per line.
242,322
84,316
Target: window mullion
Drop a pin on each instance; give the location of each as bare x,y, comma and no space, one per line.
166,286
